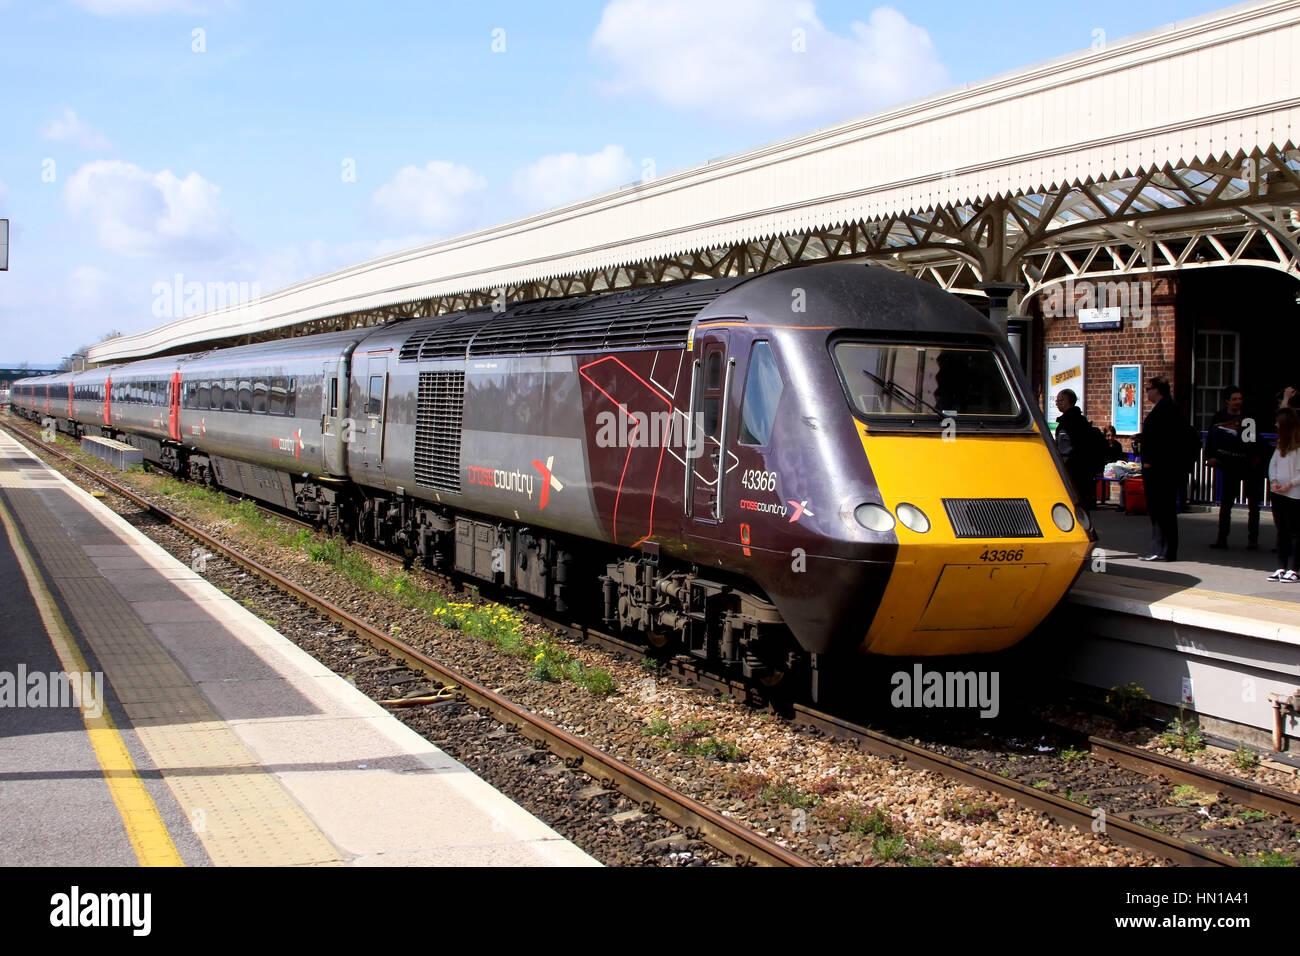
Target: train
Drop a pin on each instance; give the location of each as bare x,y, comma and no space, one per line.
771,472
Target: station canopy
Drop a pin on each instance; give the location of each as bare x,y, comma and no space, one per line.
1173,149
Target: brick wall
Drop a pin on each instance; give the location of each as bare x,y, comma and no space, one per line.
1153,347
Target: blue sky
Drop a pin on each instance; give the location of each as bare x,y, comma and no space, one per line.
269,142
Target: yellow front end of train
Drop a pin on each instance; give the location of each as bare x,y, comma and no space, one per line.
981,576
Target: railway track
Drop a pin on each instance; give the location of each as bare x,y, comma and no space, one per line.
700,822
697,821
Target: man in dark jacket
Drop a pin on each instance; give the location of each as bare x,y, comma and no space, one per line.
1238,460
1162,469
1073,434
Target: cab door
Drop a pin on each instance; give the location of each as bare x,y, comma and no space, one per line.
367,445
711,432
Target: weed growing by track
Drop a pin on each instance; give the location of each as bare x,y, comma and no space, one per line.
694,737
500,626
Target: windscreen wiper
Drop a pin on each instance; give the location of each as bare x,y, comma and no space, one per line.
897,391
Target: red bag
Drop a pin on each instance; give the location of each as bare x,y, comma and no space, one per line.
1135,497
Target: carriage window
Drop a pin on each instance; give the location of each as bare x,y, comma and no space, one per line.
259,397
204,392
230,402
376,400
245,395
278,398
762,392
290,398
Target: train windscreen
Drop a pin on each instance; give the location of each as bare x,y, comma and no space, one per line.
909,381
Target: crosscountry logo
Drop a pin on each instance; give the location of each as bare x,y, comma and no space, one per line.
549,481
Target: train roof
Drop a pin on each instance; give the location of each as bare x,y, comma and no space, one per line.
852,296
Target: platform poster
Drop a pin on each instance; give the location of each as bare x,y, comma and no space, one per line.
1064,370
1126,398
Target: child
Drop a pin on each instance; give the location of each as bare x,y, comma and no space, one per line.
1284,482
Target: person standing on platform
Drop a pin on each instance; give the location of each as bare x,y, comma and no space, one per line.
1072,440
1230,447
1284,482
1162,469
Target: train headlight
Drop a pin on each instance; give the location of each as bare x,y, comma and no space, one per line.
913,517
874,518
1063,517
1084,519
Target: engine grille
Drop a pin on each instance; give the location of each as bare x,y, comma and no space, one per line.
992,518
437,430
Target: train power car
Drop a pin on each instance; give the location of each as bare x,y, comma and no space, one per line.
770,471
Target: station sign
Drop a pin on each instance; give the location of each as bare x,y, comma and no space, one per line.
1100,318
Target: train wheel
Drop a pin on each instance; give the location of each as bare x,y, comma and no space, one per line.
662,645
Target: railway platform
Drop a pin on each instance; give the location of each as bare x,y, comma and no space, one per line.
147,718
1208,631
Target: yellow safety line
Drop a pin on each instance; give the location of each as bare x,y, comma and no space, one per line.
144,824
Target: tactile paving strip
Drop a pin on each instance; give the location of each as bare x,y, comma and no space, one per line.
242,815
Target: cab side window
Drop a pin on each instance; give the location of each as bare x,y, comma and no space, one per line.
763,389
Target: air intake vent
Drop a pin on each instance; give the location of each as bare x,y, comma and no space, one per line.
437,430
446,340
992,518
630,319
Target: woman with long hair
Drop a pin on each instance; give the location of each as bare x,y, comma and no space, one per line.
1284,482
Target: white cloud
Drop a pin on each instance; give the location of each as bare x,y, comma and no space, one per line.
440,197
70,128
138,213
292,263
131,8
742,58
86,287
563,177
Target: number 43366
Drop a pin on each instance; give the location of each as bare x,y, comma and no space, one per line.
989,554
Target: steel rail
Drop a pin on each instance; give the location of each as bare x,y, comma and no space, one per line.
1249,793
